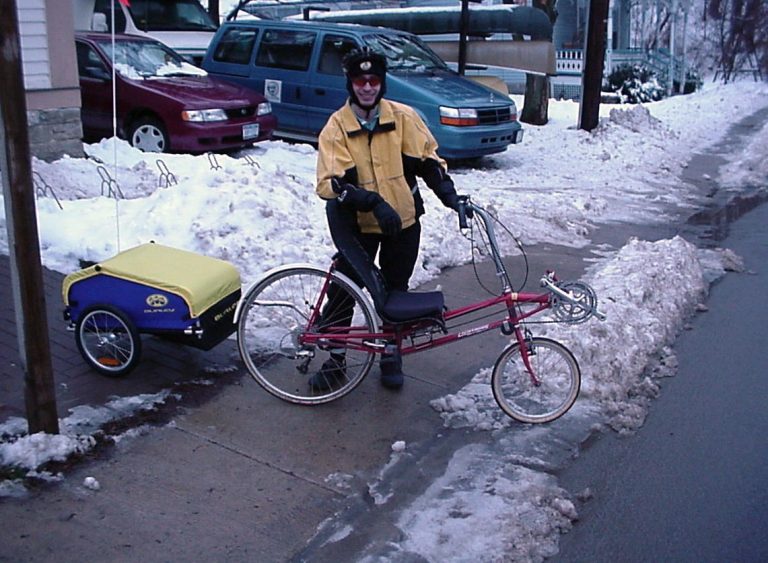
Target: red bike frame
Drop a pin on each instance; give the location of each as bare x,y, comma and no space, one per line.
357,337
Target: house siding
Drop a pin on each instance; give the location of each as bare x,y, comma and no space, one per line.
46,35
34,44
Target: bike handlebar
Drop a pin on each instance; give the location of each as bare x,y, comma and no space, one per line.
465,211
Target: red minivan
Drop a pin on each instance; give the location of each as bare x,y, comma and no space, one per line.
164,103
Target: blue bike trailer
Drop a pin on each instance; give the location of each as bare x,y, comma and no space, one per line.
173,293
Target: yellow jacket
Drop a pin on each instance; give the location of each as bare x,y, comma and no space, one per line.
386,160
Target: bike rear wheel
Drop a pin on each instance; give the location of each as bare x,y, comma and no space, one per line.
558,375
274,319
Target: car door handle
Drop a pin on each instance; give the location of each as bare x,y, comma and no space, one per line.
320,91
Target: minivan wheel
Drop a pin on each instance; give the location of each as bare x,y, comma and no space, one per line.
148,134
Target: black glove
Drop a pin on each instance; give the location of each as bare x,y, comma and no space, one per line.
462,200
358,198
389,220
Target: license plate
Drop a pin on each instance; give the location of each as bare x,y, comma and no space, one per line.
518,137
250,131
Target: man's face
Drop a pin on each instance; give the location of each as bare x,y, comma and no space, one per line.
366,88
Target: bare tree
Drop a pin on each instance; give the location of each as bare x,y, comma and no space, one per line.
742,36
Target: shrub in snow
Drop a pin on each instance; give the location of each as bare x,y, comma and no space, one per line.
635,84
692,83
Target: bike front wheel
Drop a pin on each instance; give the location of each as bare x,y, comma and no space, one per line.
273,325
548,396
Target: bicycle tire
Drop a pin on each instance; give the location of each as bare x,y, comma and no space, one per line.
108,340
272,316
559,379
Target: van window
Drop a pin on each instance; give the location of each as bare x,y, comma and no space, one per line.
105,7
332,53
235,46
405,52
290,50
162,15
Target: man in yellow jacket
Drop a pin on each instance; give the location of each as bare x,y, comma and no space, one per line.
370,154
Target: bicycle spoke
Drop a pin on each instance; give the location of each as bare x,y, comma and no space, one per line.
280,348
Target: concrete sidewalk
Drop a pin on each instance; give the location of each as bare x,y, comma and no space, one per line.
234,474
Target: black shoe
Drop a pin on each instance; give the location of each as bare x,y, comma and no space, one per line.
392,375
332,373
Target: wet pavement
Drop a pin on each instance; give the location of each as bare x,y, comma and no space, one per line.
232,472
690,486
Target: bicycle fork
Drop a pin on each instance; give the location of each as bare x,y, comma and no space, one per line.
526,351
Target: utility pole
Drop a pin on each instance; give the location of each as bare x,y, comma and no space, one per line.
609,39
213,11
592,72
463,27
23,244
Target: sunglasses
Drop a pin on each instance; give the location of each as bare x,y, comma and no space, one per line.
361,81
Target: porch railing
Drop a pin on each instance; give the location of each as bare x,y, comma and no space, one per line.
570,61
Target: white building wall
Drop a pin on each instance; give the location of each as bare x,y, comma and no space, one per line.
34,44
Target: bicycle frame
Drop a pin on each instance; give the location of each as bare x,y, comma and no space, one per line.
309,336
357,339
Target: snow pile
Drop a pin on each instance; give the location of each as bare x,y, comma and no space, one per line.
481,506
751,167
30,452
647,291
637,119
23,455
502,497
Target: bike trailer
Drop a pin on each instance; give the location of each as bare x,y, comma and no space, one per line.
180,295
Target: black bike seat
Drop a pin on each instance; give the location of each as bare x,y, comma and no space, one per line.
402,306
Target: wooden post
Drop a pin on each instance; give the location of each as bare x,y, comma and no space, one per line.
23,244
592,73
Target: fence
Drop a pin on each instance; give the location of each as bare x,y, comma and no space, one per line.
569,64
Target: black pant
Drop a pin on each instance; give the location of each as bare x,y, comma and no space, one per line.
397,255
397,259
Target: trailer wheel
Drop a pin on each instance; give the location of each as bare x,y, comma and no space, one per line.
108,340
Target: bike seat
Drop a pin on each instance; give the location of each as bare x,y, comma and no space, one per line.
391,305
403,306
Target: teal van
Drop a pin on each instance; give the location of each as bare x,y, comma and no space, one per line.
297,66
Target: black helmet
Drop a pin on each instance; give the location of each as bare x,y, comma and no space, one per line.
361,61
